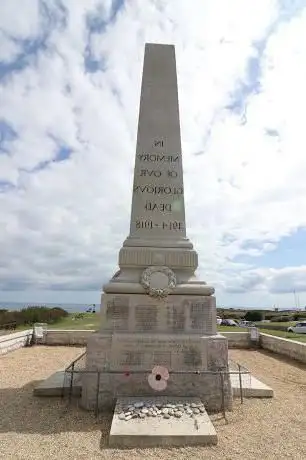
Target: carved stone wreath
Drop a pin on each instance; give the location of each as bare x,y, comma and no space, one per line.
158,281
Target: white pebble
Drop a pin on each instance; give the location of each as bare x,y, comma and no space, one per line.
138,405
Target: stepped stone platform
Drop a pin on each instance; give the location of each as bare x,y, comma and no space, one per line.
56,384
189,427
251,387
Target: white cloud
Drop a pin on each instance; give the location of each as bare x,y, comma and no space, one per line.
20,21
8,49
62,223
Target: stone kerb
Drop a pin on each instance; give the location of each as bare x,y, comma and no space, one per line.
286,347
67,337
10,342
237,339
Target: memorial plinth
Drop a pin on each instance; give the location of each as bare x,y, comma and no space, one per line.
155,311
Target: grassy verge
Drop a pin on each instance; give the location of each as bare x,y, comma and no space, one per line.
284,324
88,321
286,335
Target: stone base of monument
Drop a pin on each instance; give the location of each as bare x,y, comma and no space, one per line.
57,385
125,362
161,421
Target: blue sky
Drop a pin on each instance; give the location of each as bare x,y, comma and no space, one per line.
70,77
287,253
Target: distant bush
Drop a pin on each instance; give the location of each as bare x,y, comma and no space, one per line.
299,315
78,316
253,315
271,316
31,315
230,313
283,318
233,315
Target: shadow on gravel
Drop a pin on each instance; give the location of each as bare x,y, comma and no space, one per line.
22,412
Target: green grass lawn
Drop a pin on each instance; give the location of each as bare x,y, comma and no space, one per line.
88,321
285,324
286,335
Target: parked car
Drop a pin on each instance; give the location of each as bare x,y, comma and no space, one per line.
219,320
246,324
229,322
299,328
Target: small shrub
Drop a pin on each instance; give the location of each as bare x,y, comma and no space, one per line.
283,318
299,316
79,316
233,315
253,315
271,316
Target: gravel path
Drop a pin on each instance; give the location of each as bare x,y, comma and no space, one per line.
35,428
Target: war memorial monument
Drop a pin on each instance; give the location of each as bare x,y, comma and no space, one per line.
157,359
158,320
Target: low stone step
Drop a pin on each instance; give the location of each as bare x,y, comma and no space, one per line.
57,383
251,387
192,426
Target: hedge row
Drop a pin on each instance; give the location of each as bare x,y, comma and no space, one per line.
259,315
30,315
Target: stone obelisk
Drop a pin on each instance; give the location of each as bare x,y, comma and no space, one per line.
158,229
155,311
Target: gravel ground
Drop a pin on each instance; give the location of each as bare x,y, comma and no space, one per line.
35,428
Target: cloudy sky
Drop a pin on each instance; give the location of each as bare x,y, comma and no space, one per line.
70,74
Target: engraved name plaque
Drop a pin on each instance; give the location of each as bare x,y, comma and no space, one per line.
117,314
146,318
200,318
176,318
